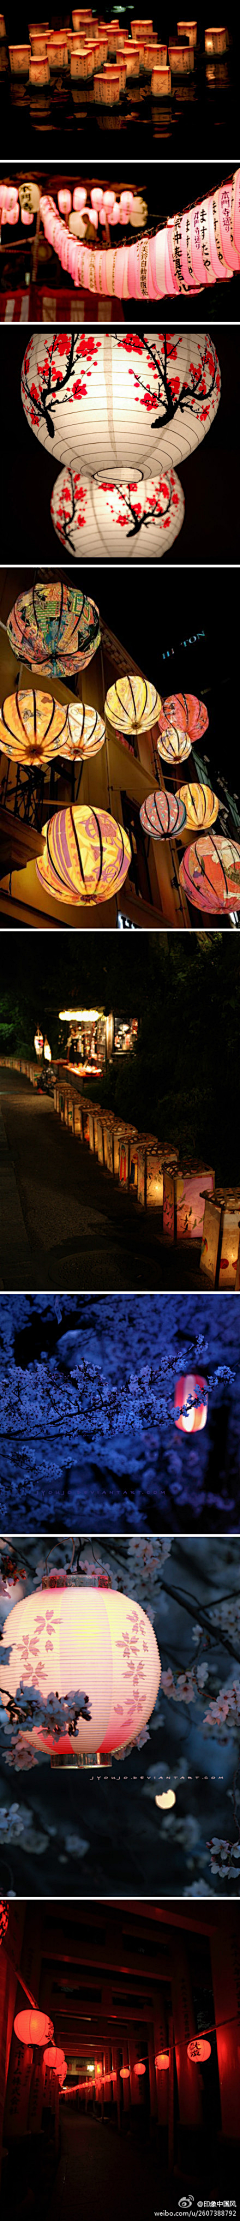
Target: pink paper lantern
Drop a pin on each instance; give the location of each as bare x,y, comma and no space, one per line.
79,196
88,1640
65,202
26,217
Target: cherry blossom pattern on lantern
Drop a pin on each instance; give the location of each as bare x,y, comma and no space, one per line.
109,404
102,517
135,1648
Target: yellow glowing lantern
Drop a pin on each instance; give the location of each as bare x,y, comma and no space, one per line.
85,731
96,1642
32,726
174,745
201,805
132,705
86,856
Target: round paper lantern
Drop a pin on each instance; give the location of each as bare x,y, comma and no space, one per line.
65,202
90,1640
54,2058
186,713
32,2027
31,726
89,854
120,401
201,805
139,2067
163,815
198,2050
162,2061
132,705
192,1421
126,519
55,628
210,873
173,746
85,731
124,2072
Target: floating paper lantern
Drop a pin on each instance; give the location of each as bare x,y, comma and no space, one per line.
161,81
201,805
162,2061
55,628
173,745
188,31
216,41
54,2058
88,852
163,815
186,713
31,727
198,2050
192,1421
210,874
85,732
19,60
92,1640
132,705
112,402
181,57
32,2027
97,517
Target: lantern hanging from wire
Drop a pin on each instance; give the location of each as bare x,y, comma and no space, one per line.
187,713
117,516
132,705
32,726
162,2061
89,854
193,1420
198,2050
86,1640
163,816
120,401
85,732
124,2072
201,805
139,2067
55,2058
32,2027
54,627
174,746
210,873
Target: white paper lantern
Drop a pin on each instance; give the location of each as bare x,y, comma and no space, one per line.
93,1640
136,521
120,402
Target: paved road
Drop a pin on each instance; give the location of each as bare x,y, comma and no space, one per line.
64,1223
100,2174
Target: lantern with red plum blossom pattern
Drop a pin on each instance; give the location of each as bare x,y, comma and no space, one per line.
117,516
198,2050
55,628
201,805
210,873
132,705
92,1640
192,1421
86,855
32,727
163,816
32,2027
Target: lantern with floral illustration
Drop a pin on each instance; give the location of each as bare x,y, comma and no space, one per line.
86,856
54,627
183,1201
117,517
210,873
112,403
193,1420
185,713
163,815
221,1238
32,726
88,1640
201,805
85,732
174,746
32,2027
132,705
198,2050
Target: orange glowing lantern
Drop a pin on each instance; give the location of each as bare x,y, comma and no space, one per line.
32,2027
192,1421
124,2072
86,856
162,2061
54,2058
140,2067
32,726
198,2050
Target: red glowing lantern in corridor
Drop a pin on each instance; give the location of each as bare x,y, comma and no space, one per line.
193,1420
33,2027
140,2067
54,2058
124,2071
198,2050
162,2060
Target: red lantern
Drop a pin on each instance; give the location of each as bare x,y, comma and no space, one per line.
124,2071
192,1421
140,2068
33,2027
198,2050
54,2058
210,873
4,1919
162,2060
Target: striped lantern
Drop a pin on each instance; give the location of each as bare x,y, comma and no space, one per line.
88,853
192,1421
89,1640
174,745
132,705
201,805
31,727
85,731
163,815
187,713
56,628
210,873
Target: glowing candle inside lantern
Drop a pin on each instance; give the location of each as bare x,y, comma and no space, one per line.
39,72
181,58
216,40
160,82
19,60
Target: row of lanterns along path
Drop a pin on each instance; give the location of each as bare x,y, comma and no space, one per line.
184,1199
87,853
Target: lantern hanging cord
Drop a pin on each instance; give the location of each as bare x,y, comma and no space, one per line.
214,2030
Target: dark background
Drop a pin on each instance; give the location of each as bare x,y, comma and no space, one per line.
210,478
198,117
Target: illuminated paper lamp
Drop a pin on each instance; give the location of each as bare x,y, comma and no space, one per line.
131,409
8,196
139,2067
188,1191
80,196
201,805
192,1421
161,82
198,2050
181,57
58,50
54,2058
39,72
162,2061
188,31
163,815
216,41
210,874
124,2072
123,520
11,215
221,1238
187,713
174,746
166,1801
31,727
85,732
54,627
32,2027
65,202
26,217
19,60
89,854
132,705
95,1635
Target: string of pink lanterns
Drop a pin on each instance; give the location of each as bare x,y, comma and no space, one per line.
192,250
